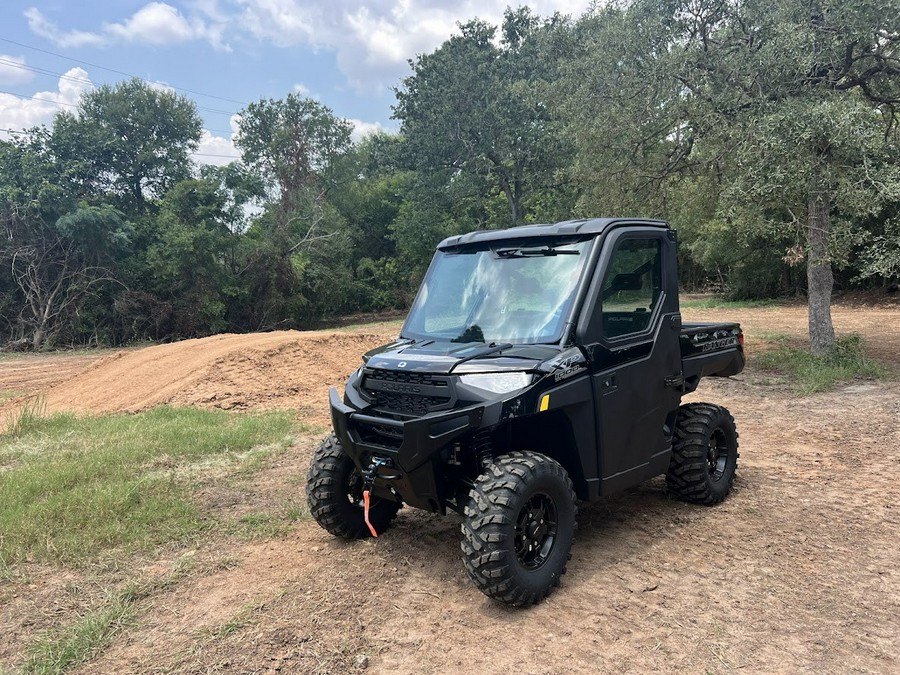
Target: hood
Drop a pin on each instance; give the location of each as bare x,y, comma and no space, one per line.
430,356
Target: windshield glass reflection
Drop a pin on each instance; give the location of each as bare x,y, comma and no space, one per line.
517,294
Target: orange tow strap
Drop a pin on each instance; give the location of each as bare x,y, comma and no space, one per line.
366,512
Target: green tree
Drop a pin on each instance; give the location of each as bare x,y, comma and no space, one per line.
241,188
300,258
475,110
294,143
375,186
789,105
59,252
129,141
192,260
808,91
624,108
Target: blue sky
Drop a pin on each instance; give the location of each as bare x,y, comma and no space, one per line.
347,55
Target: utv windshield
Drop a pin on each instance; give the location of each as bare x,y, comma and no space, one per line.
510,293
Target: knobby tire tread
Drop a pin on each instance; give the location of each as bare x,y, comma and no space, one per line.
326,495
491,513
688,474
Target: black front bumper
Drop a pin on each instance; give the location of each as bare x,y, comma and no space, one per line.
413,447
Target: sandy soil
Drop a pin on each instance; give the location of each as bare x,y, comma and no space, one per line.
28,373
795,572
283,369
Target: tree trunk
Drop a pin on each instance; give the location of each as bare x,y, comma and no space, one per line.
514,198
818,274
37,340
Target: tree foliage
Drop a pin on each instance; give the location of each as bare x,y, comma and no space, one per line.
473,110
789,107
130,141
767,132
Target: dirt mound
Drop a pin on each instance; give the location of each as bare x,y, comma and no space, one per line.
285,369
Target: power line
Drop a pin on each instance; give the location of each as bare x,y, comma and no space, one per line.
193,154
75,105
34,69
81,80
92,85
118,72
35,98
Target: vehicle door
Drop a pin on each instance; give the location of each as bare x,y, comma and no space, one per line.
631,334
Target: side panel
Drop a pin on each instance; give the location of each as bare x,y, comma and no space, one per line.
564,429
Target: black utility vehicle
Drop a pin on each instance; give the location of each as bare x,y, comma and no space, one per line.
537,366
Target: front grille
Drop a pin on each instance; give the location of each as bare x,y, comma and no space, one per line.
408,378
407,393
407,404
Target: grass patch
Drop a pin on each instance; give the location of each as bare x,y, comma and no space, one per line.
79,641
63,648
390,325
27,417
9,394
73,488
261,526
810,374
719,302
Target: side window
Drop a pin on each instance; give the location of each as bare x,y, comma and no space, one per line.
632,287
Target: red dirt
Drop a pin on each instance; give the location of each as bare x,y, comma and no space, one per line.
796,572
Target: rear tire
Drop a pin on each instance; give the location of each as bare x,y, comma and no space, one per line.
518,528
704,454
334,494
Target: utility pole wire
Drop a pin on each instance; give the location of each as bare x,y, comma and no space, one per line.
118,72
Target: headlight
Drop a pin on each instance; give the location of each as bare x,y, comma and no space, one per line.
499,383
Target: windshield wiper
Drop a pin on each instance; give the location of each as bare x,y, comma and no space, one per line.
492,348
532,252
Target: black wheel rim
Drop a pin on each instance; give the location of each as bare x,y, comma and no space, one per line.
717,455
536,530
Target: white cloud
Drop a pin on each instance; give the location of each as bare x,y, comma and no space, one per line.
156,23
302,90
362,129
12,70
218,150
285,22
374,42
18,113
159,85
40,25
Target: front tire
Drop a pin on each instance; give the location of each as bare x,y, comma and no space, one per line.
704,454
334,493
518,528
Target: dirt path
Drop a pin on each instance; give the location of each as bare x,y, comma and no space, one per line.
796,572
30,373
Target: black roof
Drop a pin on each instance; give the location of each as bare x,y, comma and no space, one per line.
586,226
